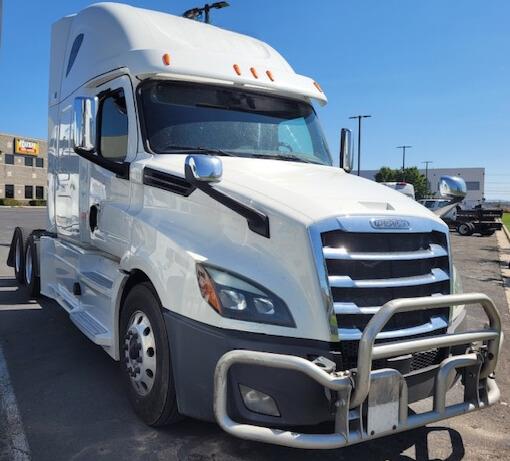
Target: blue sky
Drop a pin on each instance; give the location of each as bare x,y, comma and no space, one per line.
434,74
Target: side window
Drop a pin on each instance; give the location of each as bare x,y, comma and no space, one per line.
74,52
113,127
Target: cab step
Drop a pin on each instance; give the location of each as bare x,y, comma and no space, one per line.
91,328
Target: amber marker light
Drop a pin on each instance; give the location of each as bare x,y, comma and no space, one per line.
237,69
254,72
166,59
207,289
318,87
270,75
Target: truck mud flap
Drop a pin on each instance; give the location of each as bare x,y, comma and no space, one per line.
374,403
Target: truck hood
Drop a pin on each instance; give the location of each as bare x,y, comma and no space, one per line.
313,191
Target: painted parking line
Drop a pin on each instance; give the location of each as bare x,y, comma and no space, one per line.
16,440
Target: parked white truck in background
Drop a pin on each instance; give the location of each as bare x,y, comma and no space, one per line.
403,187
199,233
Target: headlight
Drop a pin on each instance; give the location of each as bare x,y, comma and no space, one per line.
237,298
456,289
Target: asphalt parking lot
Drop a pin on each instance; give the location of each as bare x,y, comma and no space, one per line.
71,404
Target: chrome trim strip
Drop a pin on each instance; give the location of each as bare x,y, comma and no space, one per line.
352,308
435,251
314,232
436,323
344,281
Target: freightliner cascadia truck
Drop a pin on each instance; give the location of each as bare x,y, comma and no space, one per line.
199,233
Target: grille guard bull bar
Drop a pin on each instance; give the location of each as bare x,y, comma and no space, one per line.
365,387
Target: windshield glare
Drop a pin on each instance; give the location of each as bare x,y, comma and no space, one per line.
232,120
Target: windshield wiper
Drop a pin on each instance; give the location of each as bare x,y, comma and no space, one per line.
175,149
172,149
286,157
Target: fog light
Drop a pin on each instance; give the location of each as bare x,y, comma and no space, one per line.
258,402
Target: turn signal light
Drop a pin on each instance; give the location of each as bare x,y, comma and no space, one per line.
254,72
207,290
270,75
166,59
237,69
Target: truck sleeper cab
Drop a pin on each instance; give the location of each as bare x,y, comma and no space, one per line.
199,233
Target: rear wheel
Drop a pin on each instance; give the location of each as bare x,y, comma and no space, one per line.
19,255
487,233
465,229
31,268
145,357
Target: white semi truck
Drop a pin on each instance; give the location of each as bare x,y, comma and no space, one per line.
199,232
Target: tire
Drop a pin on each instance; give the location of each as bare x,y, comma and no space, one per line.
18,241
465,229
488,233
31,268
145,351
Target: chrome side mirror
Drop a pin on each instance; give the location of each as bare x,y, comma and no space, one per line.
203,168
346,150
453,188
84,124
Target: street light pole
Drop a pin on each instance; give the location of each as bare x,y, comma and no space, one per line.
427,173
359,117
404,160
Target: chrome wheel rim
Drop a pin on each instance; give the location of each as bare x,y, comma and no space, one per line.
140,353
28,265
17,255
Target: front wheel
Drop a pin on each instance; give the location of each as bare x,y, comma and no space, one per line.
145,357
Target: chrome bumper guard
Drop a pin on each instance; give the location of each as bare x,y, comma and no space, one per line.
378,399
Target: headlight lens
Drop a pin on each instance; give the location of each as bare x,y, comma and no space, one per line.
235,297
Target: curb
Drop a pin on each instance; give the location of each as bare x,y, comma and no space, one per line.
507,232
22,206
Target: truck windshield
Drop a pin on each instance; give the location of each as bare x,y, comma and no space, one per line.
180,116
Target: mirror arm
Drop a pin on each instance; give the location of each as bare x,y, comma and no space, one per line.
121,170
258,222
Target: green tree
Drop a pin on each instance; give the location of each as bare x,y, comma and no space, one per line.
411,175
386,174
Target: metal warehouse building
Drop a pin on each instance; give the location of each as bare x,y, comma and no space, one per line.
474,177
23,168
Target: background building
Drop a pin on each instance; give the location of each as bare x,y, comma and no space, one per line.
474,177
23,168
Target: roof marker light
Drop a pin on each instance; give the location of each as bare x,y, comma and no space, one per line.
166,59
237,69
318,87
270,75
254,72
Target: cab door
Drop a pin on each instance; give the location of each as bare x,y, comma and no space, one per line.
108,223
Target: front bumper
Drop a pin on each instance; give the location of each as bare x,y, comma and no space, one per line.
374,403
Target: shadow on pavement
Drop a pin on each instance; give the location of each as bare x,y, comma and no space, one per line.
415,445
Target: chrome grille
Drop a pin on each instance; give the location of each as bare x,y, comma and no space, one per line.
367,269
